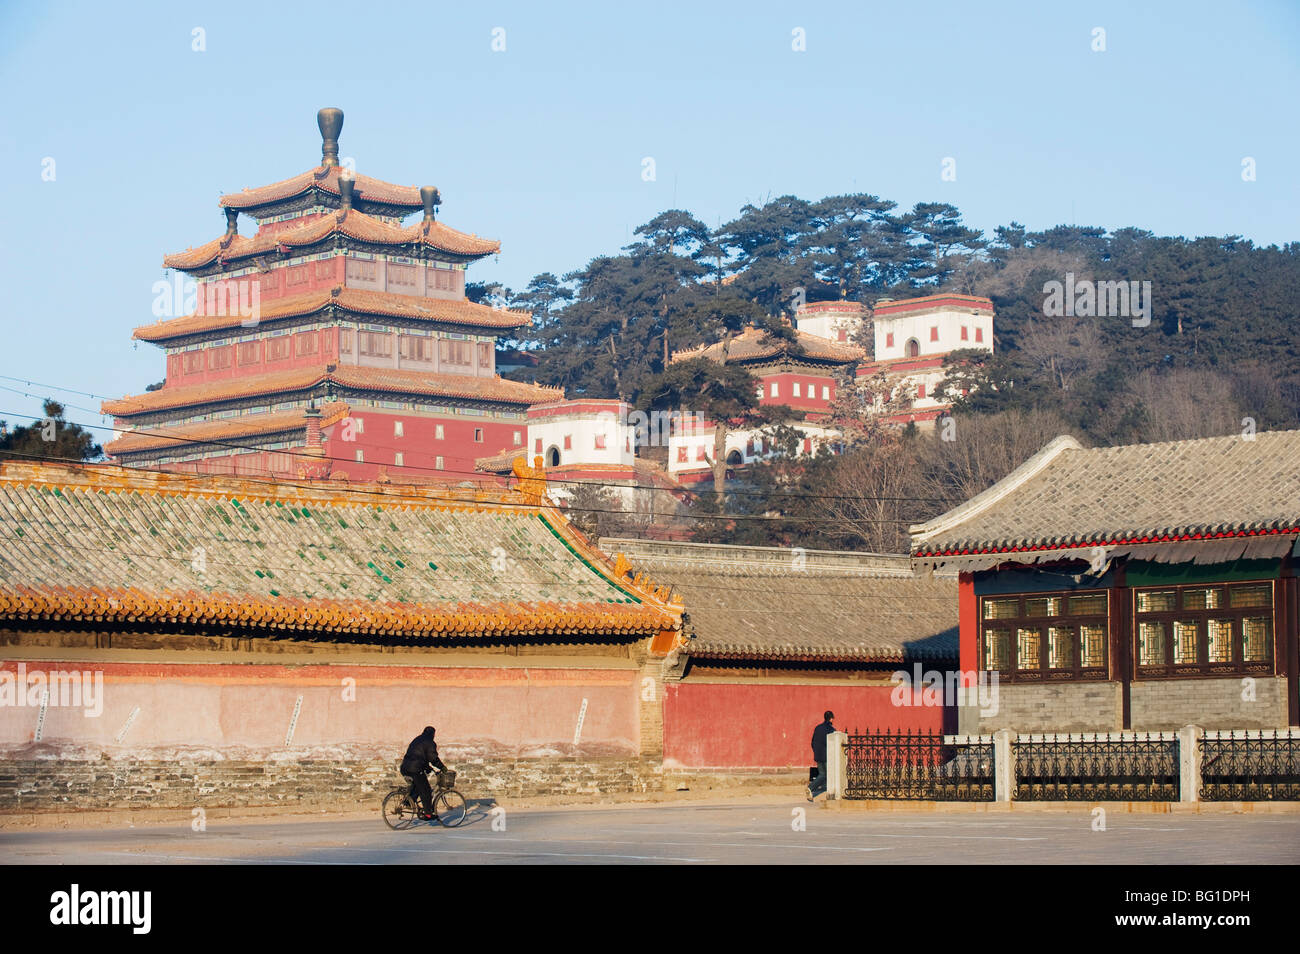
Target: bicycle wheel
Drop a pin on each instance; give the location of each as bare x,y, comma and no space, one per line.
400,811
450,808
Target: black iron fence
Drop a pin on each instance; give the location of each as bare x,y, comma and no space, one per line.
1260,765
918,765
1097,767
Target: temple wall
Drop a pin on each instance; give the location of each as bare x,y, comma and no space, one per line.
245,711
769,724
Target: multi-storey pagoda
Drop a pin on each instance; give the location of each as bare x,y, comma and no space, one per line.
336,339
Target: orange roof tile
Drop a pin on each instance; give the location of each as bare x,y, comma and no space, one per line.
500,462
354,224
753,344
325,178
227,429
361,301
300,379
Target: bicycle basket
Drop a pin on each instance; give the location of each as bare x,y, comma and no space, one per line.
446,780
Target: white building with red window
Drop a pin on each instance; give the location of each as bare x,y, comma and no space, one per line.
690,447
913,336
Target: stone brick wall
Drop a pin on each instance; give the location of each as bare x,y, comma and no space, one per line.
1064,707
55,785
1155,705
1209,703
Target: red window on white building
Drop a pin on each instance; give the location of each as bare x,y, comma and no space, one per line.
568,442
681,455
701,453
934,332
920,390
964,335
600,442
889,339
537,446
979,334
844,335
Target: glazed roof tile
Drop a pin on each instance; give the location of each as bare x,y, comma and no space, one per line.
226,429
392,380
357,300
753,344
120,547
325,178
430,234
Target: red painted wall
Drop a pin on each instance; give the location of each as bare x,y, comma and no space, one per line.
326,353
420,445
232,707
968,622
785,382
717,725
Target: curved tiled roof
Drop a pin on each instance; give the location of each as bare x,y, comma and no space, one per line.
325,178
118,547
347,375
753,344
226,429
358,300
772,603
1067,497
430,234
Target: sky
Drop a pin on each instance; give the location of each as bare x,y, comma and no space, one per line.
536,120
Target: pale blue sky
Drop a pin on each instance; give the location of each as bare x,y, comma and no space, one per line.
541,145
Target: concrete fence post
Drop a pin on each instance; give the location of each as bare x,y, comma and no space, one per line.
1004,766
837,764
1189,763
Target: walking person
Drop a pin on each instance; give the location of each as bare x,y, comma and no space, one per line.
818,785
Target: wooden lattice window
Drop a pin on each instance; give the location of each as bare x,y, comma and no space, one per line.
454,352
1205,629
376,344
1036,637
403,275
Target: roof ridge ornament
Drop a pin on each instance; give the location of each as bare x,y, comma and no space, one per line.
330,123
431,199
346,185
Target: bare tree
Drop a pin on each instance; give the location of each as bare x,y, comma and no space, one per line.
1183,404
872,494
1066,348
969,453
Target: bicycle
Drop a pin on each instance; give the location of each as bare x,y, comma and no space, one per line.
401,806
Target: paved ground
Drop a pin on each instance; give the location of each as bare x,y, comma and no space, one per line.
687,834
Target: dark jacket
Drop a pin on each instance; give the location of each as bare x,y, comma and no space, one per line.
819,740
420,754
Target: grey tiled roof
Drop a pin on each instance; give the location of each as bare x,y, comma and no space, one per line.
1068,496
756,603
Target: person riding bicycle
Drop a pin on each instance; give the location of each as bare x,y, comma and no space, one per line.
421,755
